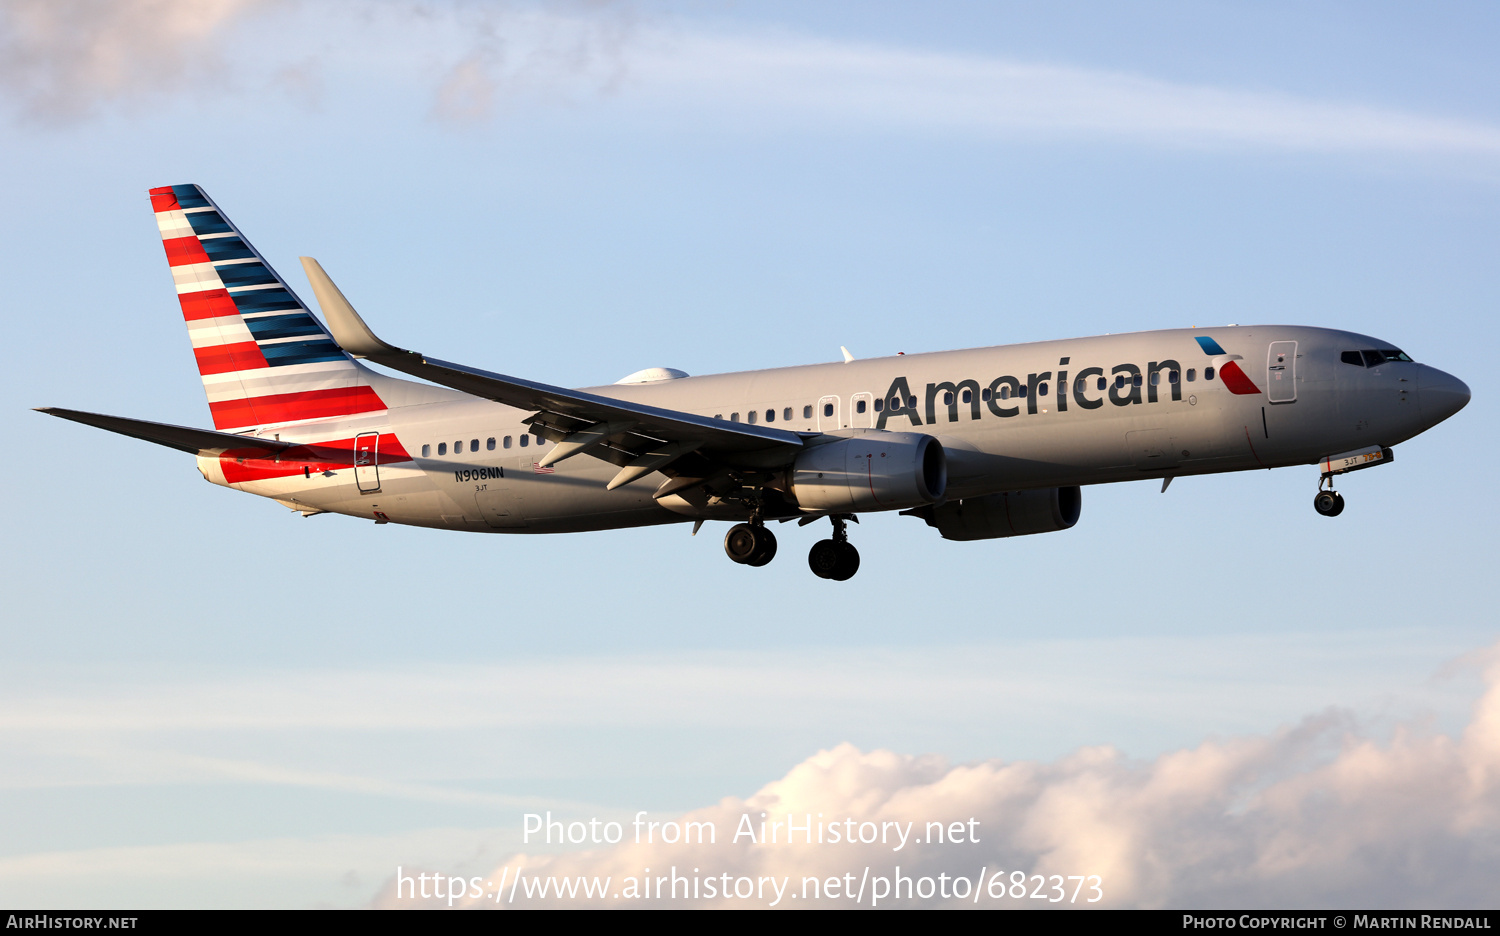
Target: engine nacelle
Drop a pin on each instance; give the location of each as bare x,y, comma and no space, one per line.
870,471
1014,513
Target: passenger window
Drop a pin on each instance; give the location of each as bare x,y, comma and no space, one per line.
751,416
442,448
426,450
947,397
1135,381
911,402
525,440
1041,389
859,406
879,405
474,445
1208,373
505,442
1192,375
770,415
1080,385
968,395
1005,392
985,394
718,415
1174,377
734,417
1103,383
1155,378
807,411
489,444
1119,381
827,409
1021,392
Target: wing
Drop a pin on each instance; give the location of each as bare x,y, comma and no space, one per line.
640,439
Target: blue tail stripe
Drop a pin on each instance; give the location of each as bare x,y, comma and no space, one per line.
1209,346
227,248
265,300
245,274
188,196
297,325
302,352
208,222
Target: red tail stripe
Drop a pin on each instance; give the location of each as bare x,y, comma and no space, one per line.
221,359
163,200
210,303
184,250
286,407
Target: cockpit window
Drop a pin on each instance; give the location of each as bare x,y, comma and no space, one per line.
1374,358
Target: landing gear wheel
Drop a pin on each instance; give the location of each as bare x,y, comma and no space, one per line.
823,559
848,563
1329,503
832,559
750,545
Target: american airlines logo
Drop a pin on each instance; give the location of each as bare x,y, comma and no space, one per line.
1126,385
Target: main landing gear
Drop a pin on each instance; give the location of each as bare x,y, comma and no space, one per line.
1329,503
834,558
753,545
750,543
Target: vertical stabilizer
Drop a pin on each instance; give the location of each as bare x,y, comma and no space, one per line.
264,358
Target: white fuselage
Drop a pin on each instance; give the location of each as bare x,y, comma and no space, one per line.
1157,414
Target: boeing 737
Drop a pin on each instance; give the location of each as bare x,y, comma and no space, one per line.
978,444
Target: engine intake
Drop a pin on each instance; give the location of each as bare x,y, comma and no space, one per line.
1013,513
871,471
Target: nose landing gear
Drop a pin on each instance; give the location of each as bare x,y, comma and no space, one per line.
1329,503
834,558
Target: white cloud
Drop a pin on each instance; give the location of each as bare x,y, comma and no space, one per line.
62,59
793,76
1312,816
66,59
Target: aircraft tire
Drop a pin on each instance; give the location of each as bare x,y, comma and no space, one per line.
765,549
848,563
824,558
1329,503
741,544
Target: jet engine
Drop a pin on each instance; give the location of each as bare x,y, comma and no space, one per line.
870,471
1013,513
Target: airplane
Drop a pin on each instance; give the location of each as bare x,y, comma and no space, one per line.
979,444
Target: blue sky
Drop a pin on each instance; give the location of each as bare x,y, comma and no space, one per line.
275,711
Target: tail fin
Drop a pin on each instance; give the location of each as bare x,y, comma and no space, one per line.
264,358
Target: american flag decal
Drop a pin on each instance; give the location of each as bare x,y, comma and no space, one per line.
540,470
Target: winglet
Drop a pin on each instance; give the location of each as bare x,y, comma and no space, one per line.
349,330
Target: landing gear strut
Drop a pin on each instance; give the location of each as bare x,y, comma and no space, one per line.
1329,503
834,558
750,543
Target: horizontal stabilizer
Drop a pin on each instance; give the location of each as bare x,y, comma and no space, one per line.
182,438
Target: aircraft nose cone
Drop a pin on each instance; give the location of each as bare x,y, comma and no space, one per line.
1442,395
